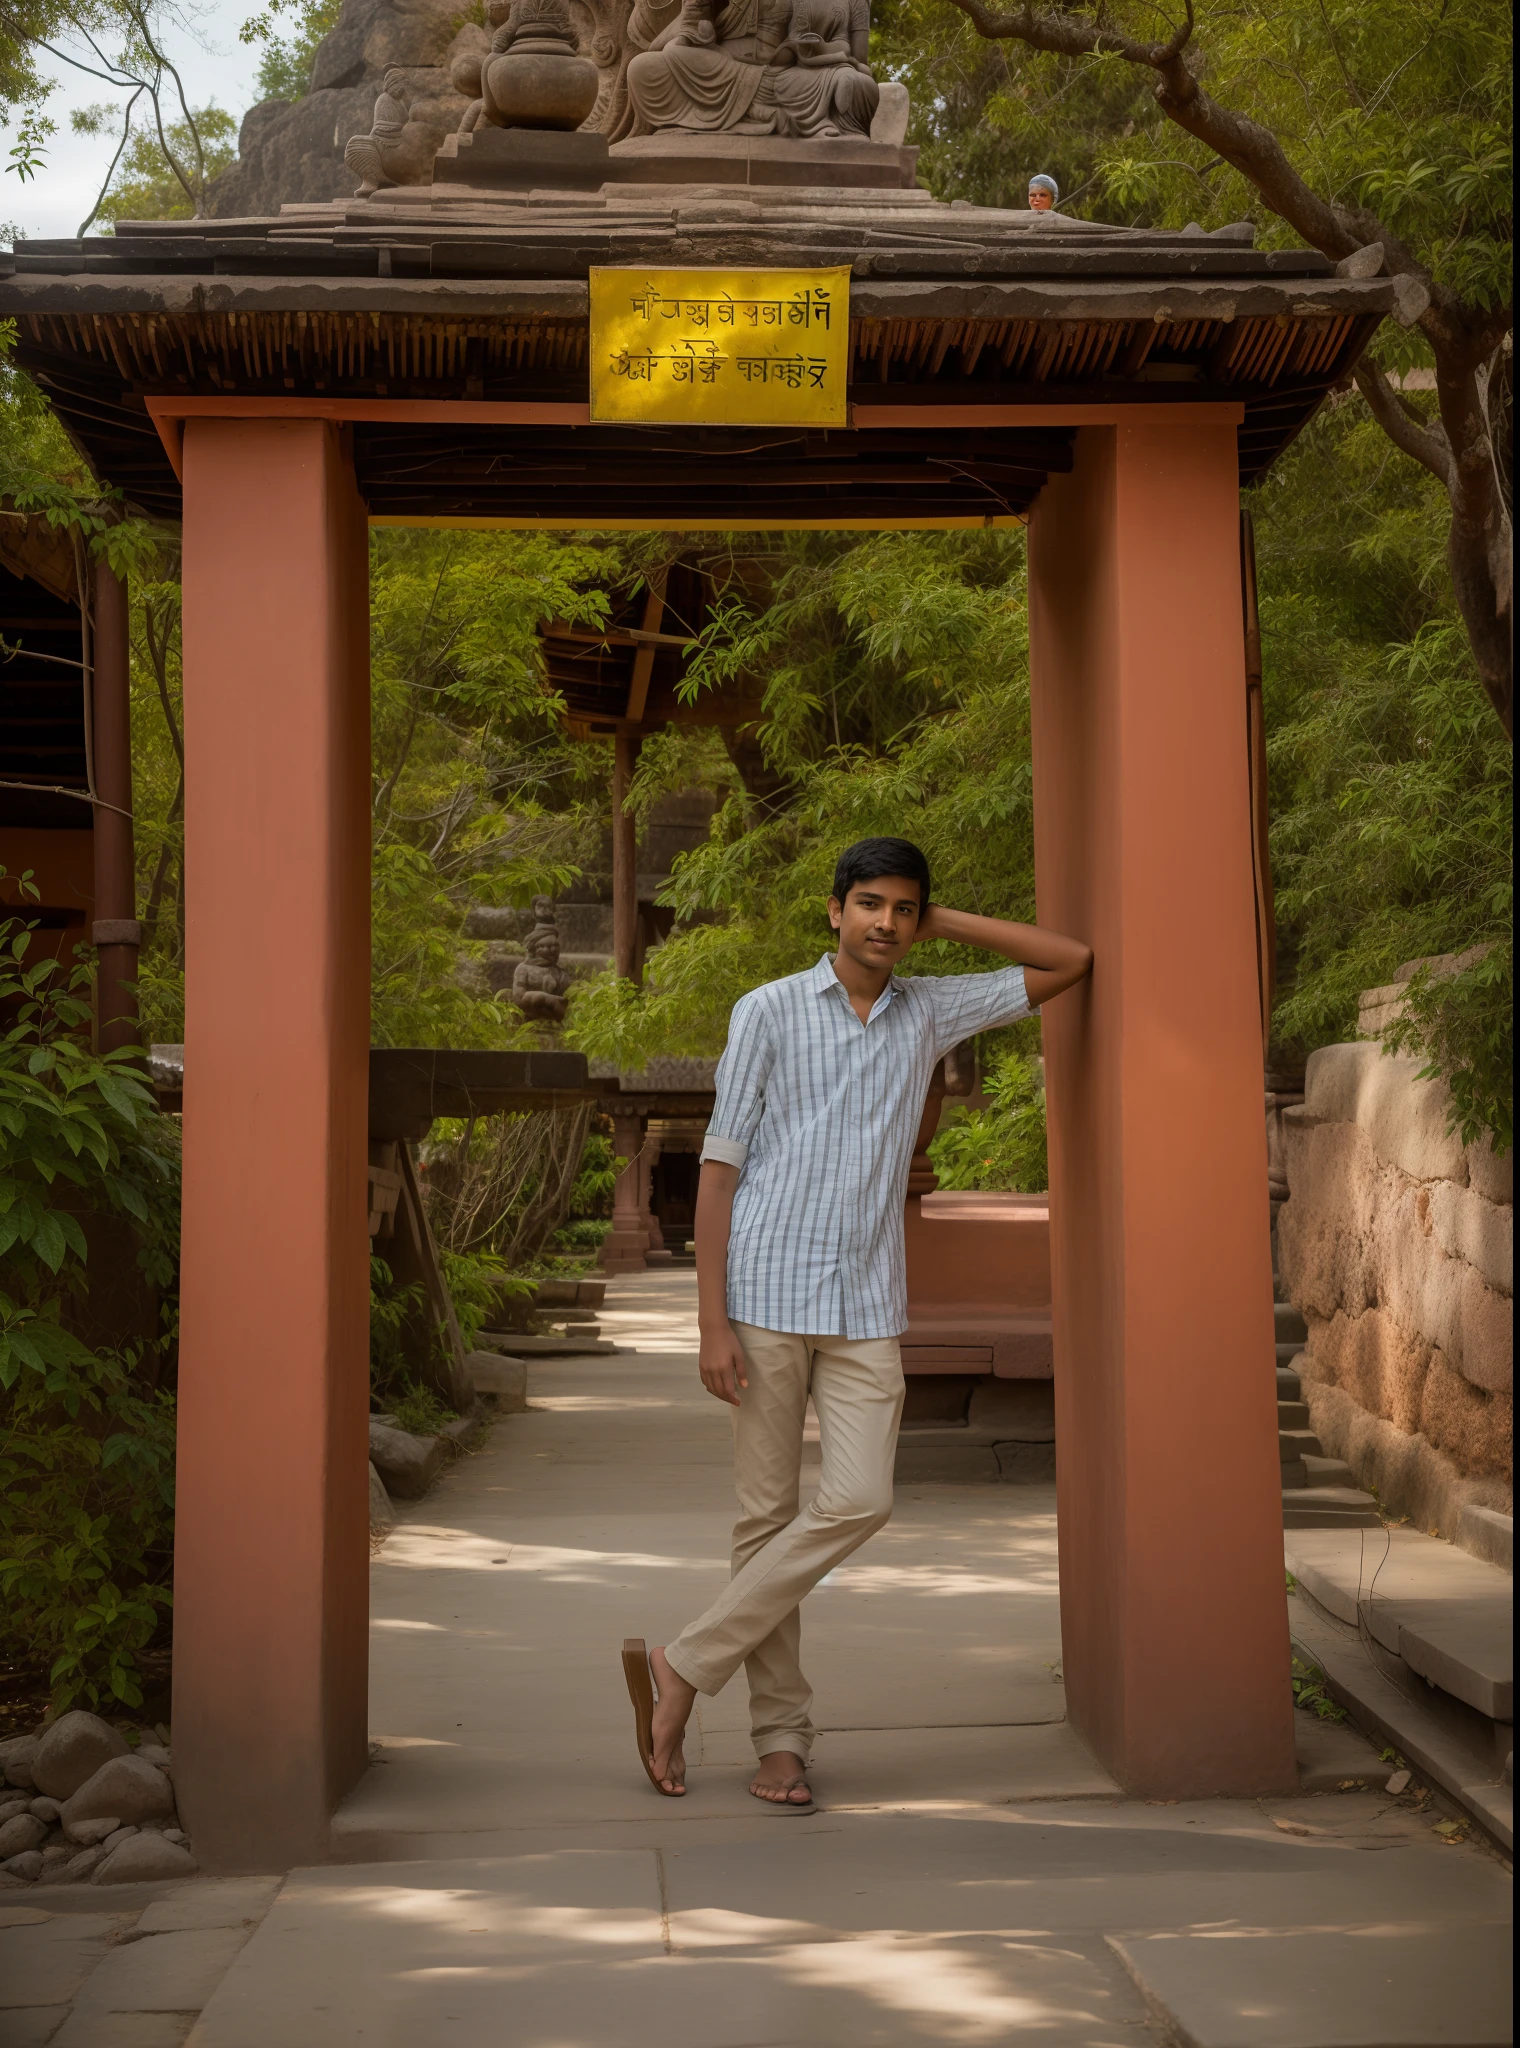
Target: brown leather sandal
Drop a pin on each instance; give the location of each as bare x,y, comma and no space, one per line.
788,1805
640,1681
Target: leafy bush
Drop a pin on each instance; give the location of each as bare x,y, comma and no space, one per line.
583,1234
591,1195
86,1434
1001,1148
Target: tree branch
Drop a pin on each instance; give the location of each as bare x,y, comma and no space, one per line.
1428,445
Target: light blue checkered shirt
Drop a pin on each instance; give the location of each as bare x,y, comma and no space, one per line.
819,1112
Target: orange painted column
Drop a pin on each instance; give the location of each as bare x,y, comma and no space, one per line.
272,1556
1174,1625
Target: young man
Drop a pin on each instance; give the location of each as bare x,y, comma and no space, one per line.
801,1275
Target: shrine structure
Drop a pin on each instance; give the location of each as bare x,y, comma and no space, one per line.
422,355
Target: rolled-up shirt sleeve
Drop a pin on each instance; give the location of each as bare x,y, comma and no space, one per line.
967,1003
741,1078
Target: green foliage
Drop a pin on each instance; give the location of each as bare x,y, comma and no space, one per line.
1389,777
418,1410
86,1435
895,674
988,115
1309,1692
144,185
591,1196
476,1282
477,794
585,1234
286,61
1001,1148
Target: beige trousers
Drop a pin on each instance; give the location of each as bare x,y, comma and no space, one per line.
780,1552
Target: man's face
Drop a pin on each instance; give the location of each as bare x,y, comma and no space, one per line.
877,921
1040,200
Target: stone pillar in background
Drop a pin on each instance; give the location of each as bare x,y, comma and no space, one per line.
272,1553
624,1247
115,932
658,1253
1173,1624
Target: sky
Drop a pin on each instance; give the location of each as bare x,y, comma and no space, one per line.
216,68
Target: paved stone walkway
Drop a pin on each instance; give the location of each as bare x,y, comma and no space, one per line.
506,1879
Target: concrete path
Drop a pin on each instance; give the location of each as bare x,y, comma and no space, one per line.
506,1878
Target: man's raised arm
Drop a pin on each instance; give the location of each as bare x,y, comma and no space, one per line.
1051,961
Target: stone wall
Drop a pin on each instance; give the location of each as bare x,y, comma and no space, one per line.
1396,1243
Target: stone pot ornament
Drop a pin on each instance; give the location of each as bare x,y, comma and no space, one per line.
535,77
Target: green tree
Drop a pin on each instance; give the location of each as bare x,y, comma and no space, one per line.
147,180
1380,134
286,62
477,794
86,1432
895,680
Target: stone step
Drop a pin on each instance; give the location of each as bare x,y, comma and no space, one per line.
1286,1353
1289,1386
1448,1615
1291,1327
1294,1474
1325,1471
1329,1507
1292,1414
515,1345
1293,1444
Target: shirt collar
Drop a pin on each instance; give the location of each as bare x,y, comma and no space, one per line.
824,979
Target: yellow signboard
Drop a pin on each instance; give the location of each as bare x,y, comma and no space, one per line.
738,348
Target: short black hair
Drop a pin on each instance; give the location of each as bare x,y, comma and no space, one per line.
869,859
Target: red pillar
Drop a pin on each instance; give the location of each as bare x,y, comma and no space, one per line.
1173,1619
271,1572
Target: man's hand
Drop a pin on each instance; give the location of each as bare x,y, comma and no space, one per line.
722,1364
1051,961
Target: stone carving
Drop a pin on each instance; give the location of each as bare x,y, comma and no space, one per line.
539,982
531,74
624,69
397,150
757,67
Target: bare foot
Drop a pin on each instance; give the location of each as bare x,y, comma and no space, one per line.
782,1780
672,1709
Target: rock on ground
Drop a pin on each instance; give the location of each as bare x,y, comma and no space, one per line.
125,1787
73,1750
142,1859
16,1761
382,1515
408,1464
502,1383
23,1831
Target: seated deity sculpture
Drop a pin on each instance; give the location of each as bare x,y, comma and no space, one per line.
756,67
538,981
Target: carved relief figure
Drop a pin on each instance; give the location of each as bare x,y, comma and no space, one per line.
539,982
398,149
768,67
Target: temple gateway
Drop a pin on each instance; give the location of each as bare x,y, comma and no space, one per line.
419,350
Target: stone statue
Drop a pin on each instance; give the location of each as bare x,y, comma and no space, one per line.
539,982
532,75
397,150
622,69
757,67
